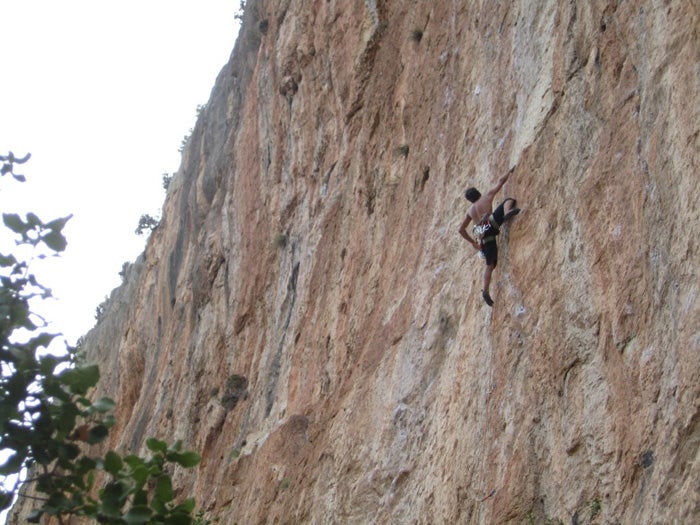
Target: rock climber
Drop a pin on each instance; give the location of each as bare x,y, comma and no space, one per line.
487,225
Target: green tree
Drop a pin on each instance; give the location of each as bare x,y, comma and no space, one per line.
146,222
48,422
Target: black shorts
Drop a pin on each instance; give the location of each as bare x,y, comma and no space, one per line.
499,212
489,247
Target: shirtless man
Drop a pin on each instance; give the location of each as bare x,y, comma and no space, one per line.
487,226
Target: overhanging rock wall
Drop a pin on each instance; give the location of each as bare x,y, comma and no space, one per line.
307,317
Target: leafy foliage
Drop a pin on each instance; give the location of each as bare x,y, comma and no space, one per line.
241,9
146,222
167,179
49,424
185,140
8,162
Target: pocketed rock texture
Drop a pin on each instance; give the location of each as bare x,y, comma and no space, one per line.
307,317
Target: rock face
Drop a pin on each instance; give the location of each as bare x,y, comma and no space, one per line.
307,317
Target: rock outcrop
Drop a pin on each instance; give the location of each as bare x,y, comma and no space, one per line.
307,317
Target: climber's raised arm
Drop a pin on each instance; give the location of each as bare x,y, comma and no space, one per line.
490,194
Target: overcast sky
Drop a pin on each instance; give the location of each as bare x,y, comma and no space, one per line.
101,93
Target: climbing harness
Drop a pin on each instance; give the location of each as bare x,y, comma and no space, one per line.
488,226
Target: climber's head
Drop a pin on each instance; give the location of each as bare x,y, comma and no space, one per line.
472,195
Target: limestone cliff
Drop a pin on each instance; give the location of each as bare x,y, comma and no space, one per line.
308,318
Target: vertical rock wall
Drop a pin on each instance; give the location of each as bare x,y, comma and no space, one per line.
307,317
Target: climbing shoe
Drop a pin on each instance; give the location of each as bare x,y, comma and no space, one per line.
512,213
487,298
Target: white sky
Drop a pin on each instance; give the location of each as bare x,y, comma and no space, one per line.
101,94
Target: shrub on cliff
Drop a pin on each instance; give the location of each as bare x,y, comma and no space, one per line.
48,423
146,222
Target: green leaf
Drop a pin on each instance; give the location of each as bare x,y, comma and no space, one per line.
85,464
155,465
33,220
80,379
164,489
156,445
5,499
58,224
65,419
12,465
44,340
140,497
14,222
97,434
7,260
186,459
55,240
56,503
84,401
102,405
134,461
49,362
138,514
140,476
53,388
179,519
112,497
113,463
187,505
67,451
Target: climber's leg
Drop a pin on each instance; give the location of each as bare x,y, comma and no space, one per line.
487,283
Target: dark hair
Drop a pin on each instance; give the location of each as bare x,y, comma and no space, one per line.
472,195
